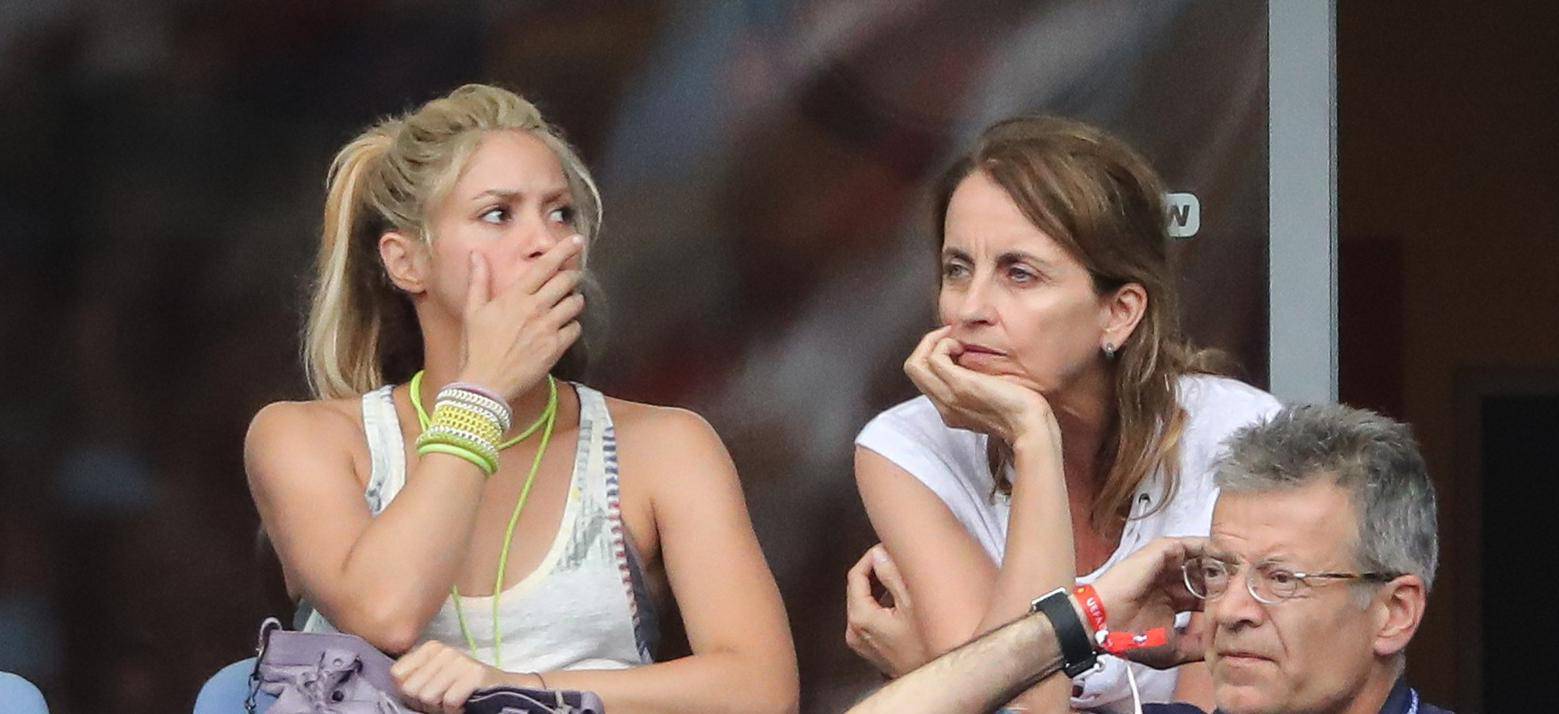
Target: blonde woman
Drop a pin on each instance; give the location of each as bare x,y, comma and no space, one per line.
455,240
1065,422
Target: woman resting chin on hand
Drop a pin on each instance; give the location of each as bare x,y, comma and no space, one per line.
1064,421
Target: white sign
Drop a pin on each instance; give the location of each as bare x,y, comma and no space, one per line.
1185,214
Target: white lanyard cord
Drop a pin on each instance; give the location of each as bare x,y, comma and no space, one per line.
1136,698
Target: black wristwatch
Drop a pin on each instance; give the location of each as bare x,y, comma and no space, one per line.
1077,654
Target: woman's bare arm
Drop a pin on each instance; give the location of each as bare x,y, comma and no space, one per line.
382,578
959,593
743,659
379,578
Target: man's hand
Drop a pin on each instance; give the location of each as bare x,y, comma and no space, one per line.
1145,590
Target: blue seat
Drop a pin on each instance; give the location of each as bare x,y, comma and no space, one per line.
225,692
19,696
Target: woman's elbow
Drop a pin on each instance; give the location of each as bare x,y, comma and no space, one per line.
396,639
779,699
393,630
777,690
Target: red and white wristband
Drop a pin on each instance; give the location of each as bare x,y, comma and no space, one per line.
1115,643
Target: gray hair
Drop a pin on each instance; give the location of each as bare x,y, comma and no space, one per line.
1372,457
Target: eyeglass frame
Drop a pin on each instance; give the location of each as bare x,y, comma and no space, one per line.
1250,583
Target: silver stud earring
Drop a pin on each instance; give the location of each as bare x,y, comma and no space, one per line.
1109,350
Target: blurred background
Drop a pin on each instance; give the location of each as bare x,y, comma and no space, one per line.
766,262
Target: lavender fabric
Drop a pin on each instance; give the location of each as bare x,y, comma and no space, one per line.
332,673
323,673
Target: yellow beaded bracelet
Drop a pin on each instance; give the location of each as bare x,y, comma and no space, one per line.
456,416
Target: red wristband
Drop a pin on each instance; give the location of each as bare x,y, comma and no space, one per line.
1115,643
1092,606
1118,643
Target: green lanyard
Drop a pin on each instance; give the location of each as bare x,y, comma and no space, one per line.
548,418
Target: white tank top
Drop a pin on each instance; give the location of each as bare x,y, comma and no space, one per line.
585,606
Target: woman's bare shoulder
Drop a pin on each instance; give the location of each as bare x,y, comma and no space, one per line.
663,440
288,416
317,427
655,420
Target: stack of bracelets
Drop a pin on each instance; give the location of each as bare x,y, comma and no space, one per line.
469,422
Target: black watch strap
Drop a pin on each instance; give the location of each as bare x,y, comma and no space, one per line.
1077,654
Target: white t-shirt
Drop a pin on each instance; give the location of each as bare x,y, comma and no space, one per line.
952,463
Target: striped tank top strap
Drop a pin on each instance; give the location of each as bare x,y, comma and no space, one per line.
386,449
603,479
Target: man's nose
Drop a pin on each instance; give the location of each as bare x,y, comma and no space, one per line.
1236,607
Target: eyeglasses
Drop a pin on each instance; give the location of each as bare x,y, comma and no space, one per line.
1208,578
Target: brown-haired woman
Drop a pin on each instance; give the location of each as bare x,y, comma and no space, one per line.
445,497
1061,406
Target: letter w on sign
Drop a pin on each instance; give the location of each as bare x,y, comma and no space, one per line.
1185,214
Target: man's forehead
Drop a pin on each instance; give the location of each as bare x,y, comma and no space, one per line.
1308,522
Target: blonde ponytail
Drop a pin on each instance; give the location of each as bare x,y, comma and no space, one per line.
361,330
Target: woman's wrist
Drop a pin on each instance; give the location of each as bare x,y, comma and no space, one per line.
476,378
1035,443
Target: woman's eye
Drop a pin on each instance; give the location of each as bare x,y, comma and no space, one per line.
495,215
561,214
1020,275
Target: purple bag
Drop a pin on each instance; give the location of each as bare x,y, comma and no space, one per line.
333,673
321,673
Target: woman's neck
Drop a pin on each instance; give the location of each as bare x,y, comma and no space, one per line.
1083,413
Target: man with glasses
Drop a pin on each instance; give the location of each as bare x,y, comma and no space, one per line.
1312,581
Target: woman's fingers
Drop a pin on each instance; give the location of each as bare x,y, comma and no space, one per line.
548,265
920,372
460,690
478,287
940,361
917,357
515,338
415,681
557,288
565,311
567,336
888,574
412,661
431,686
858,600
929,341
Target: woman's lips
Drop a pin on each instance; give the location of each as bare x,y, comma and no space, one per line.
976,356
